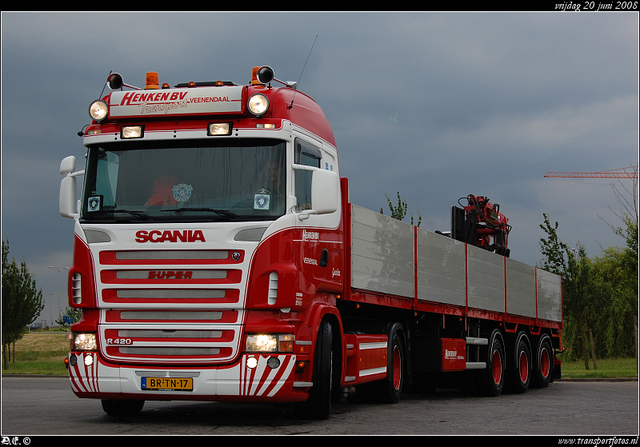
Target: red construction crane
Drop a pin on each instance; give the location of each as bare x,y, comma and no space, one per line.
630,172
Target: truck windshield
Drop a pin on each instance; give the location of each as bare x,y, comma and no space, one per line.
195,181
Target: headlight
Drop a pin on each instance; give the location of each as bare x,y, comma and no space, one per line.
132,132
84,342
219,129
98,110
269,343
258,104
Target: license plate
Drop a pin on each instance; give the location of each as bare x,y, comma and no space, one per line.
167,384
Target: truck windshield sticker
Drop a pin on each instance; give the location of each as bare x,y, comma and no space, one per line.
182,192
93,203
261,200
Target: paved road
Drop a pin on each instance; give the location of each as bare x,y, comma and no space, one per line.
46,406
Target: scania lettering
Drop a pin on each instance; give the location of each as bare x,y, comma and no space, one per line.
169,236
217,257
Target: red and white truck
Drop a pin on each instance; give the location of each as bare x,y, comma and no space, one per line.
217,257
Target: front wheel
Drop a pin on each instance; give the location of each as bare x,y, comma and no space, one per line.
117,408
318,406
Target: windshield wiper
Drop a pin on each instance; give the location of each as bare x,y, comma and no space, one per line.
139,214
111,211
224,213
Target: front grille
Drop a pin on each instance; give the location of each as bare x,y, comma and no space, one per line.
171,307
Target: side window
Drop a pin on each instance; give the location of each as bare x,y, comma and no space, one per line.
307,155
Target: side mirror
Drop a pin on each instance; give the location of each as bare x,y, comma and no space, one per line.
68,165
325,193
67,201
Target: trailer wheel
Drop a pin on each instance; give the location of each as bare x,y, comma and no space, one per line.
117,407
543,371
493,380
318,406
520,376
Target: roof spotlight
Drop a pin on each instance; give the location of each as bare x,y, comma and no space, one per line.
258,104
98,110
265,74
115,81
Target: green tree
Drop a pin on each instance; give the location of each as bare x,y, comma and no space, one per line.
580,294
21,302
617,270
399,211
615,274
553,249
600,294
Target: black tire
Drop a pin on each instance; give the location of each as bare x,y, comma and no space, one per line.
318,406
492,378
543,366
118,408
519,377
390,389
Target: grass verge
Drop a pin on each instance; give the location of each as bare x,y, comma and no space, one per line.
37,362
606,369
41,352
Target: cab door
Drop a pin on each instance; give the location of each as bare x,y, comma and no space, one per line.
319,236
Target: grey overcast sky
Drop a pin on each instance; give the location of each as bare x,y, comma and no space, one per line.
433,105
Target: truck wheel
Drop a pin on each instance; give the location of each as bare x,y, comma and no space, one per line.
520,374
318,406
391,387
493,380
117,407
543,370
